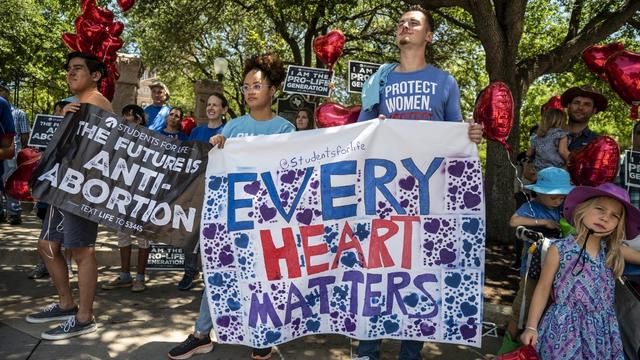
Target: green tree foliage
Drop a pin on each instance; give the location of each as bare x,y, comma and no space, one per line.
179,36
32,52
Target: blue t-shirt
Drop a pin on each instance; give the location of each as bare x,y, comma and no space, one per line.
427,94
179,135
156,116
540,212
245,125
202,133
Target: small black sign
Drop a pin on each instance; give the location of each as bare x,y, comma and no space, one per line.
44,126
308,81
165,257
359,72
288,107
632,168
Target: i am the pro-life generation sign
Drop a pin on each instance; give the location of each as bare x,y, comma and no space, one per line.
632,168
359,72
336,231
307,81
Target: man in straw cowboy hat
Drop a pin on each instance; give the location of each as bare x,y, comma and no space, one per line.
582,103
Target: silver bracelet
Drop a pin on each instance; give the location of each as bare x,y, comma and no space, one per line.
532,329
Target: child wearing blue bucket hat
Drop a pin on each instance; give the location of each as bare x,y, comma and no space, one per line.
542,214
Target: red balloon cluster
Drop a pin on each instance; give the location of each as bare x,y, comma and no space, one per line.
98,34
494,110
620,68
596,56
596,163
17,185
328,48
331,114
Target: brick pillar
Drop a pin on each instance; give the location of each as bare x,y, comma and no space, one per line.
130,68
204,89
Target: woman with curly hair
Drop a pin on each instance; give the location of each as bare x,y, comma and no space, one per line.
262,76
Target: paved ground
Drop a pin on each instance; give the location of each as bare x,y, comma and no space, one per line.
146,325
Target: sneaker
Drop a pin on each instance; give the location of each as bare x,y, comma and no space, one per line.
190,347
38,272
52,312
138,286
70,328
116,283
15,219
187,281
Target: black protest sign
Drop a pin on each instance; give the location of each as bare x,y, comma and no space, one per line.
359,72
127,178
288,107
165,257
632,168
44,126
307,81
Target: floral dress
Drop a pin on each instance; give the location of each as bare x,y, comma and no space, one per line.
581,323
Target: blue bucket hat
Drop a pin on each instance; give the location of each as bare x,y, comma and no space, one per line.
552,181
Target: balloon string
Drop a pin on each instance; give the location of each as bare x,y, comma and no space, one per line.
520,183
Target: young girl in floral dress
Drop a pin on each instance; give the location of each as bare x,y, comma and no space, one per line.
581,323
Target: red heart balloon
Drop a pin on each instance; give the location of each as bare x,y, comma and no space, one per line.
116,29
99,15
125,5
187,124
17,185
95,33
524,353
88,4
553,103
328,48
71,40
84,45
108,87
596,163
111,45
332,114
623,71
595,56
494,110
112,67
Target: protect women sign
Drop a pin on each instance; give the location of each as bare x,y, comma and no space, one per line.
371,230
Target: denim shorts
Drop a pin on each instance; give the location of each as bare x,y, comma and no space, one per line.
72,231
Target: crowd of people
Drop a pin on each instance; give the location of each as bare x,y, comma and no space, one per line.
579,269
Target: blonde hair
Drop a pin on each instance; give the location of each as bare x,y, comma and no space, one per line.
614,258
552,118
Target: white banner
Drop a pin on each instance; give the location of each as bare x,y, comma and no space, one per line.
371,230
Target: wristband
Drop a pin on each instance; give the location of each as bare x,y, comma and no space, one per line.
532,329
